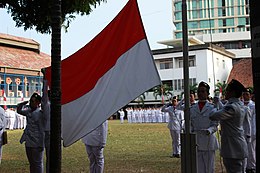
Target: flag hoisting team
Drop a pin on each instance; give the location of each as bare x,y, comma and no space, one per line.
234,116
236,120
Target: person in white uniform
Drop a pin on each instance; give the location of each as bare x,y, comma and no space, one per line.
175,125
129,112
121,115
12,118
95,142
233,143
205,129
2,128
251,160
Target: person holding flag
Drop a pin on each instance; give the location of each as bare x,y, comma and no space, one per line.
205,129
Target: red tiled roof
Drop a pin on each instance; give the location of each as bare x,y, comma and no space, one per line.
23,58
19,39
242,71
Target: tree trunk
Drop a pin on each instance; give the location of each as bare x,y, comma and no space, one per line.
55,139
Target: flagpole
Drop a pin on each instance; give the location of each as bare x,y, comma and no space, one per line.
255,42
188,140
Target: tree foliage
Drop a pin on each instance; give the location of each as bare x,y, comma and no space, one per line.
221,88
162,90
37,13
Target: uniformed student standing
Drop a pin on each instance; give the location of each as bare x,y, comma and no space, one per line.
204,129
33,135
231,116
251,160
122,115
45,104
2,127
95,143
176,118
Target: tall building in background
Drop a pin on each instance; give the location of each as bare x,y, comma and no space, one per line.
222,22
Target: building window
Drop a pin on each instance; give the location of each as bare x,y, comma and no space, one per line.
230,22
217,62
2,85
179,62
179,83
224,64
178,15
178,6
166,64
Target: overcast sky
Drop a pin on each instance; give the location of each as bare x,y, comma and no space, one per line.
156,16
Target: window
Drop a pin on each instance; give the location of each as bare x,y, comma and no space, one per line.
179,35
2,85
193,25
166,64
192,62
179,62
179,83
207,24
20,87
230,22
178,6
179,26
178,16
223,63
241,21
11,86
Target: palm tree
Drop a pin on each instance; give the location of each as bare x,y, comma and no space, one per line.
220,88
162,90
193,87
141,98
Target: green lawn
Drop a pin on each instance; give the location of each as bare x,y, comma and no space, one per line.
130,148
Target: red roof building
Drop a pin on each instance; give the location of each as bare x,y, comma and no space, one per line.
20,68
242,71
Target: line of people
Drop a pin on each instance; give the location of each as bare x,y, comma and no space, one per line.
14,120
146,115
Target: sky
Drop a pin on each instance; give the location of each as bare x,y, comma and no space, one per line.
156,16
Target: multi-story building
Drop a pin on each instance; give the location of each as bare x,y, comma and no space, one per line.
207,62
20,68
222,22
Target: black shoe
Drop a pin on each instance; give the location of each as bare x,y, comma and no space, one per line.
250,170
177,155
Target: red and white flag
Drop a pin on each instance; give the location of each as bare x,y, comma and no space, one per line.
106,74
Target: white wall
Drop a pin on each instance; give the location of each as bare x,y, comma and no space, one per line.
209,67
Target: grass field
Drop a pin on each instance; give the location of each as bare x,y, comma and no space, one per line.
130,148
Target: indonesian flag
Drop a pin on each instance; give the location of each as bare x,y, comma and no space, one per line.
106,74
